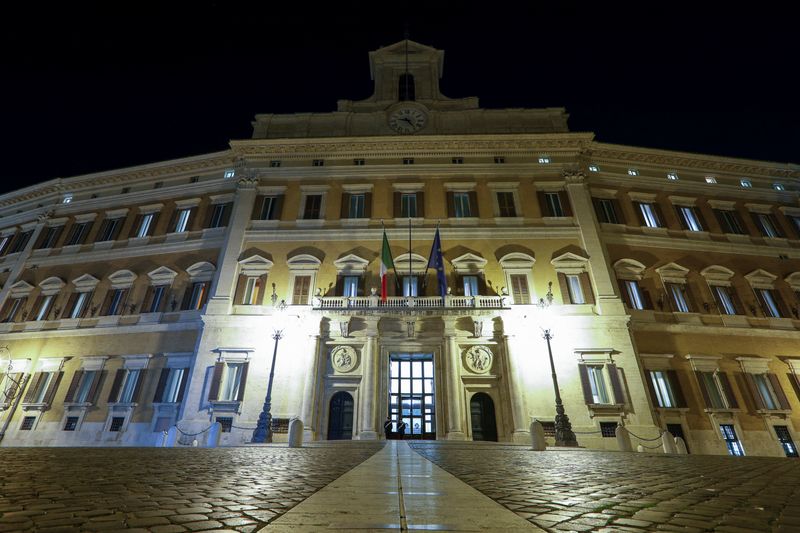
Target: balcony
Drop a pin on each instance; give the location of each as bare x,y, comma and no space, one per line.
408,303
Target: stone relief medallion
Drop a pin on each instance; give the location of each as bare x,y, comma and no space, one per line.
479,359
343,358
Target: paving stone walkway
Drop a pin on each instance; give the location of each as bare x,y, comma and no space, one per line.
580,490
164,490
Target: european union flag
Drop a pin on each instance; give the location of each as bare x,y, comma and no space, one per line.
436,261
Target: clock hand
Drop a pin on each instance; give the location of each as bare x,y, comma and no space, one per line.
408,120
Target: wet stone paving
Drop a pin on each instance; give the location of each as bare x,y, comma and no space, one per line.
164,490
580,490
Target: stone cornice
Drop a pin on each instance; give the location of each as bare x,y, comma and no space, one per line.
670,243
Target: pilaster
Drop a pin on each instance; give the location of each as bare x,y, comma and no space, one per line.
455,396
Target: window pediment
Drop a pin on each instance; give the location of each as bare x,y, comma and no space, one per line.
162,276
255,265
85,283
351,264
419,265
517,261
761,279
753,364
569,263
202,271
673,273
303,262
629,269
468,263
793,280
717,275
20,289
122,279
704,363
51,285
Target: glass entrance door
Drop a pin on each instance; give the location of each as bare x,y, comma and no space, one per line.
411,395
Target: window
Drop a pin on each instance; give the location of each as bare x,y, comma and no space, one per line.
711,179
608,429
575,289
268,209
731,440
717,391
677,293
109,229
458,160
769,302
648,215
129,384
275,163
220,214
67,199
158,184
778,187
38,393
461,205
408,160
746,183
672,176
251,288
729,221
181,220
408,205
312,207
597,384
194,179
606,211
767,225
359,162
21,241
145,225
83,387
318,163
49,237
406,90
634,293
544,160
229,174
171,385
766,391
302,285
499,160
27,423
519,289
505,203
662,388
196,296
553,203
226,423
77,233
45,304
350,286
115,302
4,240
633,172
158,298
470,285
13,307
689,218
231,382
785,438
116,423
795,219
80,304
724,300
71,423
356,205
410,286
594,168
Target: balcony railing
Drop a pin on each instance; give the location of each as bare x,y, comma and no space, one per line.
410,302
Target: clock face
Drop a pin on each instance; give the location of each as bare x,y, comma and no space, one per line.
407,120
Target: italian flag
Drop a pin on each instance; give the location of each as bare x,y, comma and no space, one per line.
386,264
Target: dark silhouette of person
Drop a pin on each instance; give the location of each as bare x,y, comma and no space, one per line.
401,429
387,428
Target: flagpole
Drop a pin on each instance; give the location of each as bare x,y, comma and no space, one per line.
410,274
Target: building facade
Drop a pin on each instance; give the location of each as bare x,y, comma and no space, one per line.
139,299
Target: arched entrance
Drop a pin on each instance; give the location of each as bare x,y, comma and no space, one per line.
340,417
484,425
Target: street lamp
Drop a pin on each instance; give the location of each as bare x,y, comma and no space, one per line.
263,432
564,434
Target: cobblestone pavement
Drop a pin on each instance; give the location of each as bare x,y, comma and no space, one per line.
164,490
579,490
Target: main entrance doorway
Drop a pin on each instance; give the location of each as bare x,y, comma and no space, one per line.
484,425
340,417
411,394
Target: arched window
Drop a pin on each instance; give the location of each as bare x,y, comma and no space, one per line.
406,87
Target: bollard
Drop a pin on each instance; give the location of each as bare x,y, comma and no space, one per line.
668,442
681,446
623,438
538,444
296,433
214,435
172,437
640,448
162,440
195,443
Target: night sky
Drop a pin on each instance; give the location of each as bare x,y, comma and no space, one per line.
91,89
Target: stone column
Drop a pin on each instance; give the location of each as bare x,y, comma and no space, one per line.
369,382
455,393
19,264
516,393
226,275
608,302
307,413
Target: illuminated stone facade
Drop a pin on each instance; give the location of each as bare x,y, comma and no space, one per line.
141,298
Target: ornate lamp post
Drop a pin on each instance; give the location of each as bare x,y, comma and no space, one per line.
263,432
13,391
564,434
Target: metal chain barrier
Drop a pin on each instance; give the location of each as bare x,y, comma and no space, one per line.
192,434
651,447
632,434
588,432
240,427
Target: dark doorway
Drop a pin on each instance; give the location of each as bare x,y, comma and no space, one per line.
411,394
340,418
484,426
677,431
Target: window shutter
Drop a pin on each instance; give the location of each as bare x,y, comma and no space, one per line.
737,303
598,210
20,310
182,388
420,204
339,289
360,286
87,308
677,390
646,299
262,289
757,223
451,204
258,206
187,296
623,293
397,206
585,385
700,218
751,384
243,381
662,222
119,223
778,228
53,387
148,299
618,211
73,386
680,217
690,300
137,221
173,219
566,298
703,388
721,221
566,206
277,209
776,386
226,214
34,385
7,309
162,384
776,295
545,211
37,304
616,383
69,305
482,284
137,390
651,389
639,215
95,386
795,381
473,204
367,205
586,285
213,391
728,390
459,289
345,212
113,395
241,285
107,302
